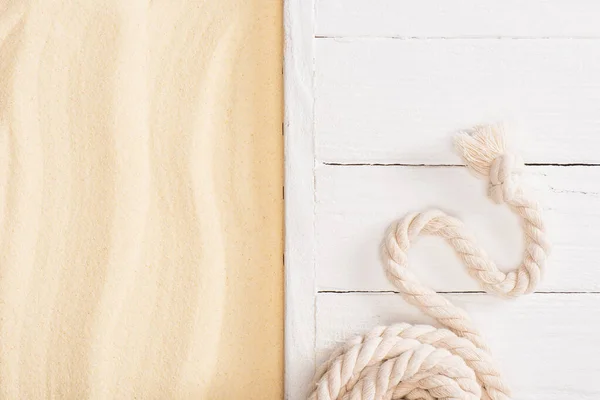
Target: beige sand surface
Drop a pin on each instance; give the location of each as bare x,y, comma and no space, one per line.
141,199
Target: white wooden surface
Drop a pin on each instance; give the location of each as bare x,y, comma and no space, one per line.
457,18
374,91
355,205
398,101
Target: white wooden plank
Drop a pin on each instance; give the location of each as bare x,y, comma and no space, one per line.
456,18
399,101
356,204
546,345
299,198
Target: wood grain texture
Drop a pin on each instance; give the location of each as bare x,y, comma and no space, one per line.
545,345
356,204
398,101
299,195
458,18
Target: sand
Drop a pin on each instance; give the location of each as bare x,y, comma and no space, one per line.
141,199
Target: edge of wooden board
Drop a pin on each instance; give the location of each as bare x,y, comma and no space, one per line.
299,195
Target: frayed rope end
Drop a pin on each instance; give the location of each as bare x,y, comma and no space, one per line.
480,146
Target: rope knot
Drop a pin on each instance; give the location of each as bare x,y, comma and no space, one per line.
504,177
484,151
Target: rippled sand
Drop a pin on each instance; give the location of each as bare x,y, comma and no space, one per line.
140,199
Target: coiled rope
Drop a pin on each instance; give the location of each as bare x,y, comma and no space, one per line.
412,362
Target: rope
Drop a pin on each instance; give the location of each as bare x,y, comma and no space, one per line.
412,362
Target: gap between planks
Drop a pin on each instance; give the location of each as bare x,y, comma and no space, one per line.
365,164
478,292
356,38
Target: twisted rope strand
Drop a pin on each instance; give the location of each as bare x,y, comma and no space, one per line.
406,361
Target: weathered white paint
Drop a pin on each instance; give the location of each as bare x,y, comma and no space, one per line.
398,101
356,204
458,18
547,345
299,199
